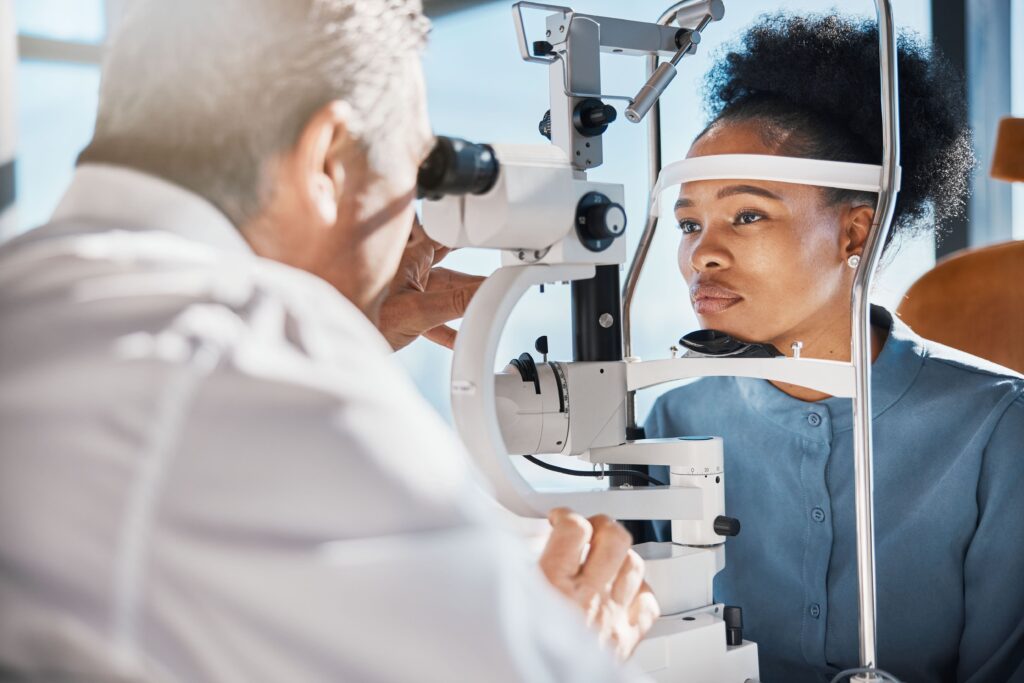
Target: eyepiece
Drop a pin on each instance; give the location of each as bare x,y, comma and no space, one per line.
456,166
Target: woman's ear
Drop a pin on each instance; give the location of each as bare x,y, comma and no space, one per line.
856,222
318,161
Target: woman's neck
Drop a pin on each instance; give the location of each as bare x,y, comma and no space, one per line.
827,340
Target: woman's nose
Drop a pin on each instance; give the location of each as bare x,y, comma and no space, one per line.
708,253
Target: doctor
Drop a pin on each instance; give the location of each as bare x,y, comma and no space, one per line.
210,468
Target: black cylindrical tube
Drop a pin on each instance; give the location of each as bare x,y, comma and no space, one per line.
733,617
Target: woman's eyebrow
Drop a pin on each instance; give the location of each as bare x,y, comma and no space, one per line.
683,202
747,189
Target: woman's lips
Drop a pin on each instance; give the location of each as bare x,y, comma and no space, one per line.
708,298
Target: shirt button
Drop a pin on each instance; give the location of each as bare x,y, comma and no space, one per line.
814,419
818,515
815,610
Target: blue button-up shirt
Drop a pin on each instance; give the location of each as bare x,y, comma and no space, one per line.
949,515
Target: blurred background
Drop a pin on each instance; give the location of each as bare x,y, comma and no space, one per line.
50,51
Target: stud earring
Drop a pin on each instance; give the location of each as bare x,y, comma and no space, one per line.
853,261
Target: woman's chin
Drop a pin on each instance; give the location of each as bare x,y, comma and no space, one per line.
718,314
732,323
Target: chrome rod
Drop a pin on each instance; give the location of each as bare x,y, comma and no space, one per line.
636,266
860,343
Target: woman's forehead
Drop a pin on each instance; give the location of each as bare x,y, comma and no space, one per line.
732,137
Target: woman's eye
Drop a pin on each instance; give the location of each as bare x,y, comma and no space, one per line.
689,227
748,217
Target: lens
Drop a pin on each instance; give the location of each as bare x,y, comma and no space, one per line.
455,166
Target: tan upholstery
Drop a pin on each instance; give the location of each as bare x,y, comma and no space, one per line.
973,301
1008,157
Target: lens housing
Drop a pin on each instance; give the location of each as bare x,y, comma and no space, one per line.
456,166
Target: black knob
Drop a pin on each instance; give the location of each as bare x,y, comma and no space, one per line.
601,116
605,221
726,526
591,117
541,345
599,221
733,617
542,48
545,125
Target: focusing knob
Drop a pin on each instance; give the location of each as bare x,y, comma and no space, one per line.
606,220
545,125
726,526
541,345
733,618
592,116
599,221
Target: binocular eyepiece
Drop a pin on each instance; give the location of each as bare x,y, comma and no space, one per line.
456,166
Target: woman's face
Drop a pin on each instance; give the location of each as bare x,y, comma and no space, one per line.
765,261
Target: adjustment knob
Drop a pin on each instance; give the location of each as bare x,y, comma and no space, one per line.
591,117
726,526
545,125
599,221
601,116
733,618
541,345
605,221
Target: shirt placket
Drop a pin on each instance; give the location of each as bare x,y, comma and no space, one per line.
815,424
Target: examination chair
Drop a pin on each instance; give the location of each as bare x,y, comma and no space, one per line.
974,302
974,299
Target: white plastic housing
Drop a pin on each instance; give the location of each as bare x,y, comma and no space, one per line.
695,463
681,576
531,422
531,206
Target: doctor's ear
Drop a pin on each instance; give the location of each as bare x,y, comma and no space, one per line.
319,158
856,224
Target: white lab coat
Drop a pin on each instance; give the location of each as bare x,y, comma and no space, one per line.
212,470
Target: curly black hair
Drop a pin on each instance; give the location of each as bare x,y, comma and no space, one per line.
812,85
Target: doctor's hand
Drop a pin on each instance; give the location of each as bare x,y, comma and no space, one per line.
422,297
608,584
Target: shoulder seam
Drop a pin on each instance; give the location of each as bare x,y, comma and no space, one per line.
1008,374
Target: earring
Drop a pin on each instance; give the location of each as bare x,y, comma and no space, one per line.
853,261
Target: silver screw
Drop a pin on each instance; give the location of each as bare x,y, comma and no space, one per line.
796,346
561,29
674,350
606,320
547,34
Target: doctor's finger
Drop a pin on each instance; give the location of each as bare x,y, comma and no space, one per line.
440,251
608,549
644,610
436,307
445,278
570,534
443,335
629,579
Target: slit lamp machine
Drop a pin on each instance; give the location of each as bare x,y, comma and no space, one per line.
536,205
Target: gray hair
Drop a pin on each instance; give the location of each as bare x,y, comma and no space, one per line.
205,92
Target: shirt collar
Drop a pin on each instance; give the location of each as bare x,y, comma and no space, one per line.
892,374
120,197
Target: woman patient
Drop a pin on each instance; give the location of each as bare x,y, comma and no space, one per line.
771,262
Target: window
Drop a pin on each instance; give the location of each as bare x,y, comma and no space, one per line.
55,99
64,20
